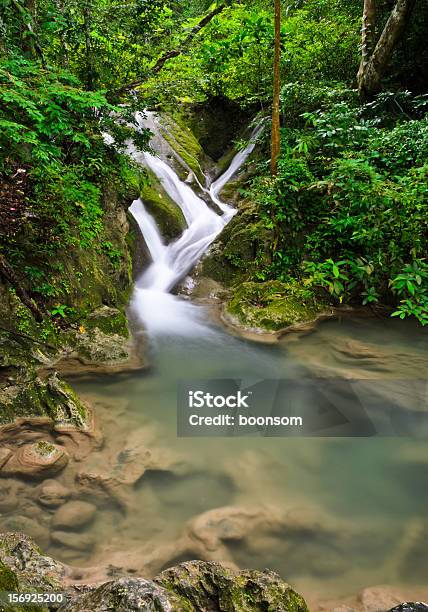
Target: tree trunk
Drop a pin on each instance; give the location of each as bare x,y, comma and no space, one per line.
367,36
276,138
374,65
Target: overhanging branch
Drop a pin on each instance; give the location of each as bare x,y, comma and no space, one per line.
165,57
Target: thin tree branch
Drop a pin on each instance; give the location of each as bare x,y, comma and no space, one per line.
165,57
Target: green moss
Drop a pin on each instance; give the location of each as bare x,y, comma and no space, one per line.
167,214
108,320
181,138
33,397
8,579
45,448
273,305
243,245
210,585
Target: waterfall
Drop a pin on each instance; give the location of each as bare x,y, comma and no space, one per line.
161,312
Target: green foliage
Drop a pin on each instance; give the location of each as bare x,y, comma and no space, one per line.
349,206
412,286
62,310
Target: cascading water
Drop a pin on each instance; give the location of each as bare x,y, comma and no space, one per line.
160,311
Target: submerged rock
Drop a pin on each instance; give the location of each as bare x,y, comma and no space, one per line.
77,541
52,494
37,460
73,515
29,526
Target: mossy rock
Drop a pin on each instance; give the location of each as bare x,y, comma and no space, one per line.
33,397
108,320
182,140
168,216
8,579
216,123
272,305
210,586
242,246
188,587
23,568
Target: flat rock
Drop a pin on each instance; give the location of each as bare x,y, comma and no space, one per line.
73,514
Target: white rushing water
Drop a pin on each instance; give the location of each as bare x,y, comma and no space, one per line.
153,304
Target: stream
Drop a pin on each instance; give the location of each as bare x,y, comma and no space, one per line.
331,515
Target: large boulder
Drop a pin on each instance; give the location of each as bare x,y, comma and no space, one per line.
210,586
128,595
271,306
73,515
32,397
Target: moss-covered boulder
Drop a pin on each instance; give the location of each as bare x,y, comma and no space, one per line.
241,247
167,214
272,305
128,595
23,397
23,568
193,586
216,123
210,586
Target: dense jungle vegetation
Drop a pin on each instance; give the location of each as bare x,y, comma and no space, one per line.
347,208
